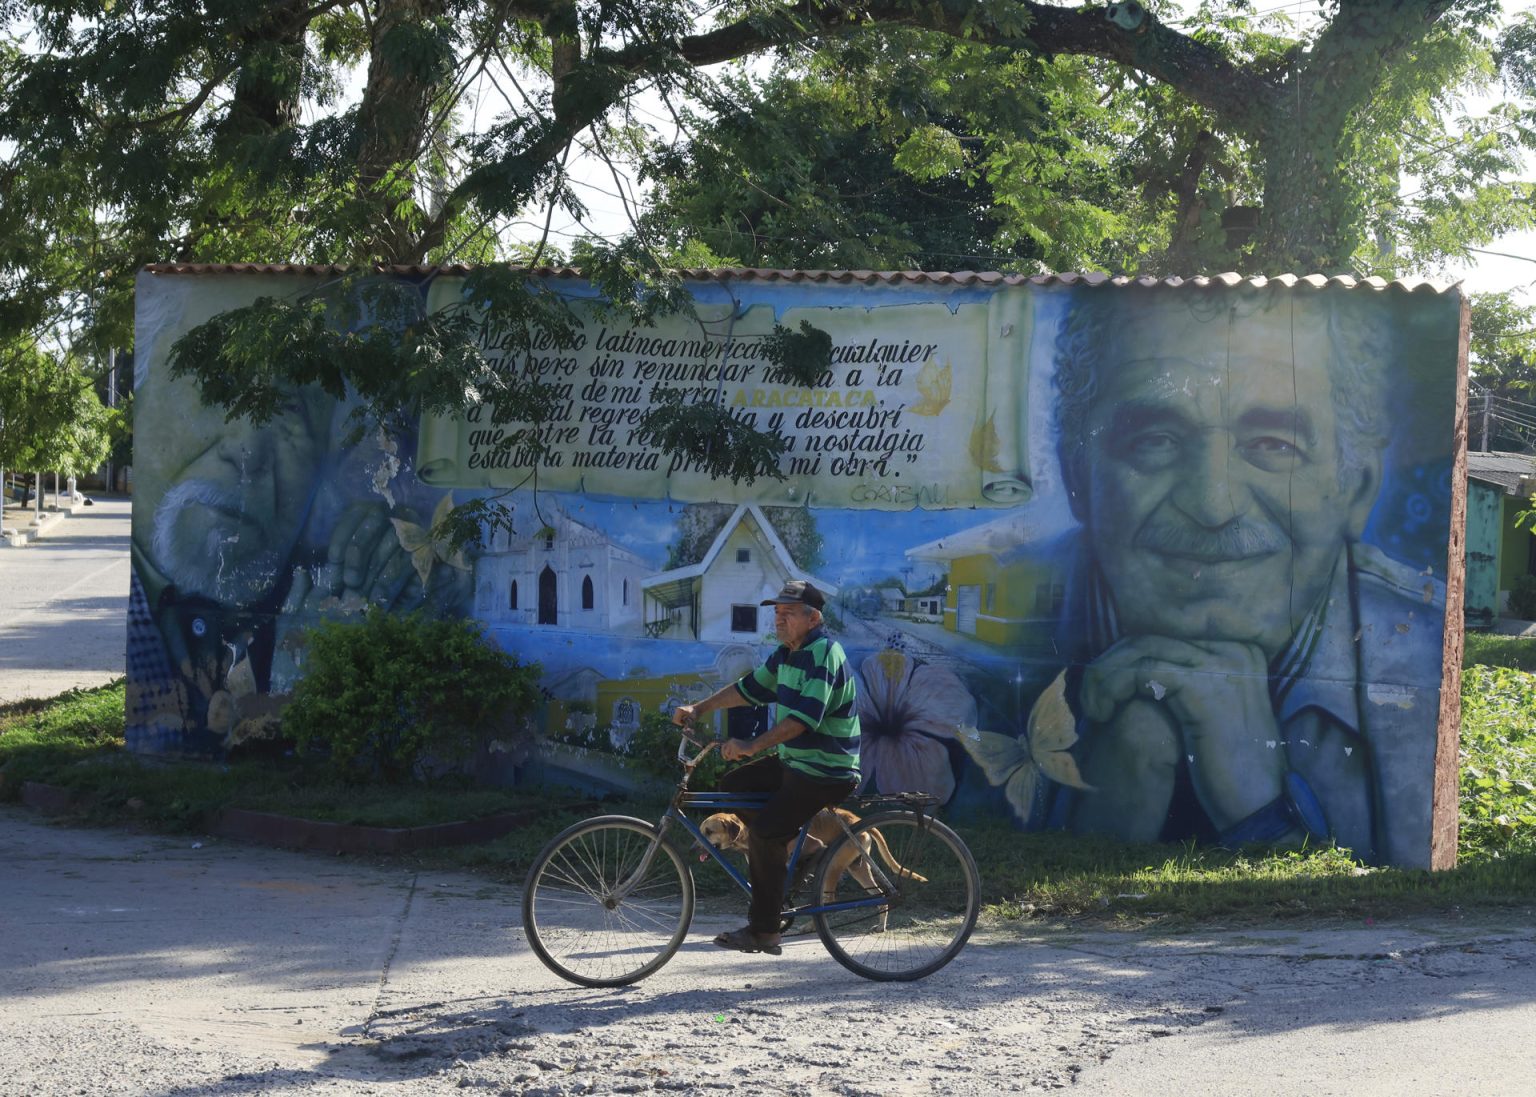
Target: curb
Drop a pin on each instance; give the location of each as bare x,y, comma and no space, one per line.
35,526
51,799
289,832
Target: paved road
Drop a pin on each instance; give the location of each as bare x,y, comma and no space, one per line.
147,965
64,604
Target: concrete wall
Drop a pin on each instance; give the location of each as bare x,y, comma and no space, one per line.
1247,526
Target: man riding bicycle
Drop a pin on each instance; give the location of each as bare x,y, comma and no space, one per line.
817,761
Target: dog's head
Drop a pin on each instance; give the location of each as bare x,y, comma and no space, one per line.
724,830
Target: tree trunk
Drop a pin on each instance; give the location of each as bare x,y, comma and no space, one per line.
1312,221
1309,223
392,127
269,89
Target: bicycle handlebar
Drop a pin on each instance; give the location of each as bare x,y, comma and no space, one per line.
692,734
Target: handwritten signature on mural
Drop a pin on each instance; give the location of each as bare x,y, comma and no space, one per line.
923,495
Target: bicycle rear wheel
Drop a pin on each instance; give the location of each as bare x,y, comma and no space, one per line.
933,894
577,922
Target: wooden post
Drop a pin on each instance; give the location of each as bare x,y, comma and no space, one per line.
1445,808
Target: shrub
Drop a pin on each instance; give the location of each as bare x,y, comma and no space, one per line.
1498,758
388,693
654,750
1522,598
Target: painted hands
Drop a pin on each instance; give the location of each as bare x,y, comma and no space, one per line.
366,563
1152,698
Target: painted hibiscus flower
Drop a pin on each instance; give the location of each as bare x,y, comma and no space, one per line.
909,713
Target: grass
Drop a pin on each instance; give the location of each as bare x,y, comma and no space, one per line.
76,741
45,738
1064,876
1488,649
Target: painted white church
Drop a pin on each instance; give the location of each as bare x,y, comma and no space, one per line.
564,575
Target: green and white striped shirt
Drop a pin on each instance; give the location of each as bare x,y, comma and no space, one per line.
814,686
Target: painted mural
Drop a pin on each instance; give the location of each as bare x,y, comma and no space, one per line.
1159,562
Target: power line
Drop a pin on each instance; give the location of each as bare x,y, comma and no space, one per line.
1504,255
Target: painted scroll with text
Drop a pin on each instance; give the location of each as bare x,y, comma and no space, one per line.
921,405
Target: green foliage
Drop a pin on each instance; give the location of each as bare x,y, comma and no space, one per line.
373,335
798,357
633,284
853,157
50,416
75,741
1522,598
931,136
390,694
707,437
1503,343
1498,759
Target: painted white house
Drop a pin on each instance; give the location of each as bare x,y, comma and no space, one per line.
565,575
717,598
925,605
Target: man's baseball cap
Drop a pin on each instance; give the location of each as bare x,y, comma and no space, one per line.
797,592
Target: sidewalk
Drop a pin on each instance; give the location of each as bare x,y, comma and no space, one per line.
24,523
64,602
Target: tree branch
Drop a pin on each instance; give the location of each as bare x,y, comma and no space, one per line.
1358,41
1233,93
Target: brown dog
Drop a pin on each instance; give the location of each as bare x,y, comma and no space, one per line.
725,831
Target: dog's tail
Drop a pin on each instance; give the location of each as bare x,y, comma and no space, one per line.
890,860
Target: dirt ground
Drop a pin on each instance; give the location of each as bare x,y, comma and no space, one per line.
132,964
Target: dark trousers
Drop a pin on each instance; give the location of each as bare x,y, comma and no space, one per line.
796,798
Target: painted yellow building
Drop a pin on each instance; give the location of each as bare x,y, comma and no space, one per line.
621,701
997,591
584,699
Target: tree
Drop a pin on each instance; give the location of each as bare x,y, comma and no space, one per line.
1502,402
1080,164
980,157
865,161
50,416
218,130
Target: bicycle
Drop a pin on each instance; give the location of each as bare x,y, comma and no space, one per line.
609,900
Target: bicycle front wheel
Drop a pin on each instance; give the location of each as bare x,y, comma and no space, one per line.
588,915
930,889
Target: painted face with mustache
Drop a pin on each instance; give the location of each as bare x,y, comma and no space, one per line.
1211,484
229,499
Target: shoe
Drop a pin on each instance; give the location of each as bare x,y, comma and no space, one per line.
745,940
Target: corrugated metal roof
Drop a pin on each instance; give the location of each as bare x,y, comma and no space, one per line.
843,277
1511,471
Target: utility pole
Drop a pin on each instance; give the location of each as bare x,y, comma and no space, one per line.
111,403
1487,412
